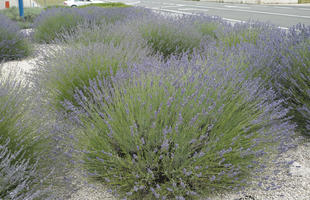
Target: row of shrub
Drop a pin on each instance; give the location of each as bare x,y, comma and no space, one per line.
29,15
156,107
49,25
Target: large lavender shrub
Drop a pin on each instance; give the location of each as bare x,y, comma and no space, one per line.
281,60
178,130
20,146
294,83
67,68
12,44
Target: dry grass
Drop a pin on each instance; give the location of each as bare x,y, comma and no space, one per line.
46,3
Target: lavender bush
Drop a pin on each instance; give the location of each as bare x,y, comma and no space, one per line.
50,24
178,130
280,59
119,31
169,36
20,146
53,23
12,44
63,70
294,84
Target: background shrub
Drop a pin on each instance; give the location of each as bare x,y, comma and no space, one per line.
106,5
179,130
125,30
169,37
59,23
45,3
294,84
64,70
52,23
29,15
173,36
55,6
249,32
12,44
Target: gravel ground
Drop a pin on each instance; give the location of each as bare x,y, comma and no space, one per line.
295,180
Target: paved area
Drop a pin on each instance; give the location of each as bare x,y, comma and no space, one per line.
284,15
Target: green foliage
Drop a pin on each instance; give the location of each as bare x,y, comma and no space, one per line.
52,27
106,33
54,6
208,29
174,37
29,15
45,3
106,5
169,39
13,45
231,39
303,1
18,47
16,119
144,138
294,84
72,67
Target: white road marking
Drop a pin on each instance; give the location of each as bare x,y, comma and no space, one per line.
303,9
282,7
198,9
175,6
233,20
255,11
174,11
236,6
133,3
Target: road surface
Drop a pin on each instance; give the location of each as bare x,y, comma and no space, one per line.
281,15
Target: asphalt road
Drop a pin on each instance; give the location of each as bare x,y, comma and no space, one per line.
283,16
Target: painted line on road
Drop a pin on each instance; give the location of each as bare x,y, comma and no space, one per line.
175,6
236,6
303,9
174,11
133,3
282,7
198,9
233,20
255,11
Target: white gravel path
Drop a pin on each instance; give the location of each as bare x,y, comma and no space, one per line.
295,180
